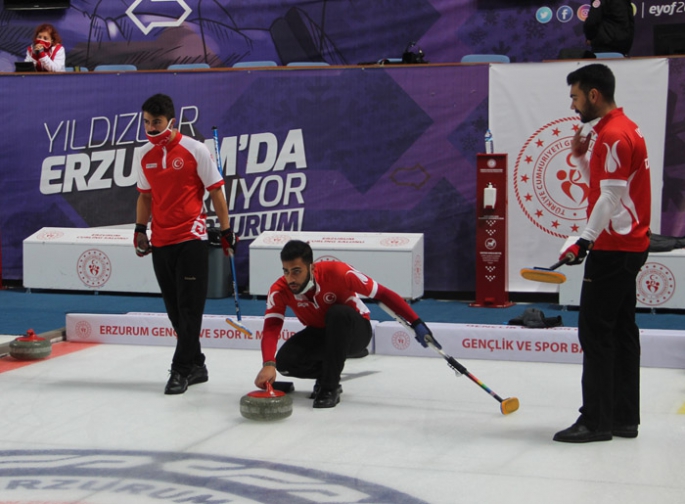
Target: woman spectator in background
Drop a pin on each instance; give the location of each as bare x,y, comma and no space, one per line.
46,52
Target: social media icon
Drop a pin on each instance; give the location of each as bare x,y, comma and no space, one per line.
564,14
583,12
543,15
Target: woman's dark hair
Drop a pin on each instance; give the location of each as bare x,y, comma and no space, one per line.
52,31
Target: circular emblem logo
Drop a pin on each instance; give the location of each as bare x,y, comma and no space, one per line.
83,329
543,15
94,268
394,241
655,284
49,235
326,258
401,340
564,14
547,183
418,270
177,163
329,298
103,477
490,243
583,12
277,239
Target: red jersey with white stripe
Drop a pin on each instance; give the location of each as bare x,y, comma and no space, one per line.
619,158
177,175
336,283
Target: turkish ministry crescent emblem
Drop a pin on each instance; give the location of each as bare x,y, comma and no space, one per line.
400,340
94,268
655,284
547,182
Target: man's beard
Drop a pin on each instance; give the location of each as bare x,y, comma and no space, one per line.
307,285
589,114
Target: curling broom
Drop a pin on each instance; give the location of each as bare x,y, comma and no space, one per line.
507,406
546,275
235,324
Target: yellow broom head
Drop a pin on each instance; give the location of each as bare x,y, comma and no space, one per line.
545,275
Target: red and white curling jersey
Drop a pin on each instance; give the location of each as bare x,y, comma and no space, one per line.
336,283
619,157
177,176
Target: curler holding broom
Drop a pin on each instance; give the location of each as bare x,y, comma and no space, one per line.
614,247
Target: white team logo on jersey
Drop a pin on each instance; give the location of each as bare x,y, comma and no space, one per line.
361,276
177,163
612,163
625,216
199,228
270,303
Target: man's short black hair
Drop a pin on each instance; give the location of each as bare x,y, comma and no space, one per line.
595,76
160,105
297,249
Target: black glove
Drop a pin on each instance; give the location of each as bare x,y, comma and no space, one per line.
228,241
140,241
577,252
424,335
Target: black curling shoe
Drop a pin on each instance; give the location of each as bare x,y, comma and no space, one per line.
177,383
317,388
579,433
198,374
327,398
625,431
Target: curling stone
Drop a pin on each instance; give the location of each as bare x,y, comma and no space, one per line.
30,347
266,404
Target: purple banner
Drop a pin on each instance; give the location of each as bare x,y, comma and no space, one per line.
673,199
153,35
358,149
354,149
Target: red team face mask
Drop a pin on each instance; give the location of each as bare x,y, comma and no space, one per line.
46,45
161,138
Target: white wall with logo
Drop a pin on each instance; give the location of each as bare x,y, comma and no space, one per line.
532,121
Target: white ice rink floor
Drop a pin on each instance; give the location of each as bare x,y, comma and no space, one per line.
93,426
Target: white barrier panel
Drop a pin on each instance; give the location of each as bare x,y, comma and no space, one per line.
155,329
137,328
100,259
660,282
503,342
660,348
393,260
492,342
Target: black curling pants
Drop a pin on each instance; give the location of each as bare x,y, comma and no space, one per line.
182,272
610,340
321,353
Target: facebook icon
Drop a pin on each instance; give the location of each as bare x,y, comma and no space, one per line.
564,14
